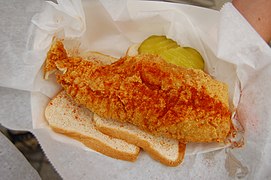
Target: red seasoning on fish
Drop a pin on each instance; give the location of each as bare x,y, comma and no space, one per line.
158,97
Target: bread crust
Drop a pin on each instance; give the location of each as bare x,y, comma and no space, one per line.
98,146
133,139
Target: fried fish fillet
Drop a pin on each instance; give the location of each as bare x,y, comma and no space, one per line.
144,90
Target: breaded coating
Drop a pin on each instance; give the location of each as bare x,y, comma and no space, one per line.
158,97
56,52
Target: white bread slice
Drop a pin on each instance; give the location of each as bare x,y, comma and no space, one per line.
66,117
133,50
98,57
167,151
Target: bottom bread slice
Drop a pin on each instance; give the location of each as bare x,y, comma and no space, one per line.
165,150
66,117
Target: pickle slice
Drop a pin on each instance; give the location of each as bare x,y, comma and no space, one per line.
170,51
185,57
156,44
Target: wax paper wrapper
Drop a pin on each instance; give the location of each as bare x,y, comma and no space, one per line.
233,52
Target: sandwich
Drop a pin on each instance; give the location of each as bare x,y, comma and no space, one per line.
67,117
145,92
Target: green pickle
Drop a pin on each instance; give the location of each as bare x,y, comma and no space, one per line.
171,52
156,44
186,57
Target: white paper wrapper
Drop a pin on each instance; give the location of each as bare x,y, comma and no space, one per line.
233,52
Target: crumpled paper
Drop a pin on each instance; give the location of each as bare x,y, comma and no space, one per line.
239,44
233,51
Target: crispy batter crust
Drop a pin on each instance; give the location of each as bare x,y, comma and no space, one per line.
185,104
56,52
